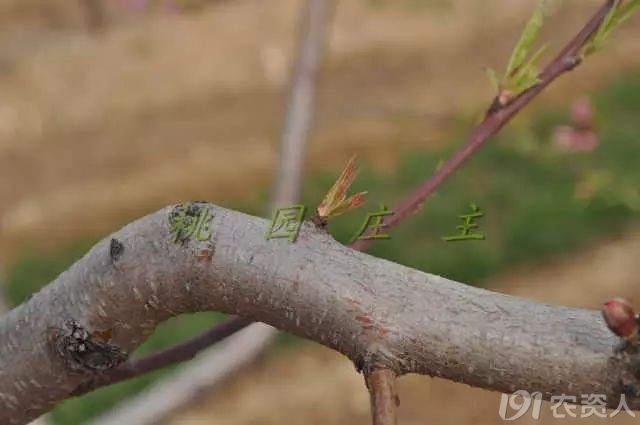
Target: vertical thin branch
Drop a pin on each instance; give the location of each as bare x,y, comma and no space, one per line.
250,342
384,398
301,103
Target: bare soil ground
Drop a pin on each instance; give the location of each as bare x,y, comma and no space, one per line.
312,385
96,129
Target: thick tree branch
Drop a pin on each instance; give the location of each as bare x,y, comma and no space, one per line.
374,311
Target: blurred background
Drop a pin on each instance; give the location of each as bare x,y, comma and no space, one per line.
113,109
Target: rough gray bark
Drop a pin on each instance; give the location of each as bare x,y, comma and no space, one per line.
378,313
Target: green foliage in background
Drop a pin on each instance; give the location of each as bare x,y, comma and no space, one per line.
538,202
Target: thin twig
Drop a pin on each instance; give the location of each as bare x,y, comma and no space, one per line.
567,60
171,355
384,398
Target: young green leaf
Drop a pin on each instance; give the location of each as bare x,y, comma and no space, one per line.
526,41
526,76
626,10
618,14
493,78
522,70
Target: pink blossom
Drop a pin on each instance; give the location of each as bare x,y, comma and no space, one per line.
571,139
579,135
582,113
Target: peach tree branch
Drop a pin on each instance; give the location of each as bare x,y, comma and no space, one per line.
380,314
498,115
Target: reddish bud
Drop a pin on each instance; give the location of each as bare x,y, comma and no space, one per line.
505,96
335,201
571,139
620,318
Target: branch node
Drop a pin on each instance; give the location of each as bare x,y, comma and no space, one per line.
570,62
82,351
320,222
622,320
116,248
370,361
